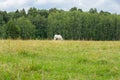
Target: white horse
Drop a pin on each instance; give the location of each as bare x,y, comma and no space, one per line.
58,37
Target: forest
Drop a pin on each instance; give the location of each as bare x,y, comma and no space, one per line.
74,24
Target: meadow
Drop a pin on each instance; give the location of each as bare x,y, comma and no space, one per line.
59,60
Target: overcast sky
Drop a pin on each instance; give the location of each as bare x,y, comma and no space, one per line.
112,6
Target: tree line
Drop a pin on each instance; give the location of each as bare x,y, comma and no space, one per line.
74,24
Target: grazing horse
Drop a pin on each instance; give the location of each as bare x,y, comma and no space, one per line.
58,37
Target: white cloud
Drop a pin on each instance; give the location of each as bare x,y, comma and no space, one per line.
110,6
92,3
48,1
12,4
107,5
41,2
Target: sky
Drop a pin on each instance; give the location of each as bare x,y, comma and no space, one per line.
112,6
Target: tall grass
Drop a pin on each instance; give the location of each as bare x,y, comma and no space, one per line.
59,60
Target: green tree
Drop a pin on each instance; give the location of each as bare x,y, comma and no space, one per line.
12,30
74,9
55,24
23,12
40,23
93,10
33,12
27,29
43,13
1,18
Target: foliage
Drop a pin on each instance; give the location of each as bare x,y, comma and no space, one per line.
40,23
12,31
74,24
27,29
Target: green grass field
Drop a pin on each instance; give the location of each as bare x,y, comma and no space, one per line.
59,60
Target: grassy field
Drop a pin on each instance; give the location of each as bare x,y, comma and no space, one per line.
59,60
